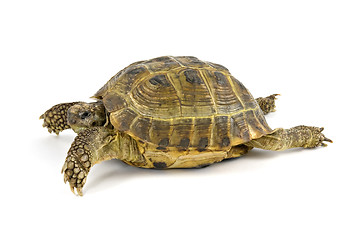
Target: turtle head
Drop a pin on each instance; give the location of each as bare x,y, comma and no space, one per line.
86,115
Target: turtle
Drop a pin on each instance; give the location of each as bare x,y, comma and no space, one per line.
170,112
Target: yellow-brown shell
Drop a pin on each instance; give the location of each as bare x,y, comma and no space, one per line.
182,104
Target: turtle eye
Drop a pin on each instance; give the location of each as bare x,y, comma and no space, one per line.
84,115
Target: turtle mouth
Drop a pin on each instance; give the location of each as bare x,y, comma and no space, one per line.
77,129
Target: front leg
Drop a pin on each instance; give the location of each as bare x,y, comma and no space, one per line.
55,119
91,146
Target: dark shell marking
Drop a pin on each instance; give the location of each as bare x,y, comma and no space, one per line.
192,76
160,80
184,144
159,165
163,144
203,144
220,78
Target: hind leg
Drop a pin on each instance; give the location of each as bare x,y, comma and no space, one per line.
282,139
239,150
267,104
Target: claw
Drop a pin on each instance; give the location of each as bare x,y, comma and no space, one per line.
63,168
323,138
75,174
72,189
79,191
273,96
276,94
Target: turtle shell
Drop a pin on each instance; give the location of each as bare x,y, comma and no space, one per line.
184,104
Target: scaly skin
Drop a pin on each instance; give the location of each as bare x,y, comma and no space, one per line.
282,139
267,104
55,119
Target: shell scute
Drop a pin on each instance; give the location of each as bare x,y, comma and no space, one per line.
156,97
190,61
123,119
223,92
165,63
140,128
181,128
221,131
160,129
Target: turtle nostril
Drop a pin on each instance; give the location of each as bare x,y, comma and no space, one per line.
72,121
84,115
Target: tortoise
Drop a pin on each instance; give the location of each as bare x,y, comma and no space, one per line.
170,112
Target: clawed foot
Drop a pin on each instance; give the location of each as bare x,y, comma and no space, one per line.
55,119
316,137
267,104
320,138
75,174
77,166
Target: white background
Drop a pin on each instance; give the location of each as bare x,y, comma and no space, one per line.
60,51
